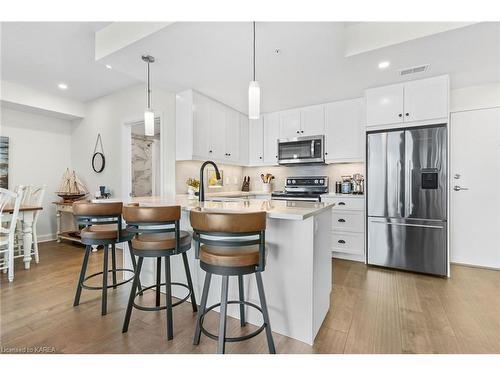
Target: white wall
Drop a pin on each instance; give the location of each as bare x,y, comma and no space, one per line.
39,153
475,97
107,116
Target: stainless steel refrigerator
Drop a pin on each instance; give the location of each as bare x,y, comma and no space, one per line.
407,199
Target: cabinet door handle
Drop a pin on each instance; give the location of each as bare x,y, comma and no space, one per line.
341,204
210,151
326,153
341,241
260,157
302,131
407,114
298,132
341,220
400,115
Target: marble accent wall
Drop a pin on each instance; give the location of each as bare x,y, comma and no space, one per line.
141,166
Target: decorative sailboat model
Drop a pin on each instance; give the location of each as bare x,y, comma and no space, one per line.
71,188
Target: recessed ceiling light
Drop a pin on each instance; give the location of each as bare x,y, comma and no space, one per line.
383,64
62,86
109,66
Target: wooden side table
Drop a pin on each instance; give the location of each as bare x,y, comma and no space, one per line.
69,234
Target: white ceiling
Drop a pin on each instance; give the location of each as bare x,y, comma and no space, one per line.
42,54
215,59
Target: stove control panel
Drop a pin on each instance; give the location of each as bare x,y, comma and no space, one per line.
315,181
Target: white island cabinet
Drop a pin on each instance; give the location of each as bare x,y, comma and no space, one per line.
298,274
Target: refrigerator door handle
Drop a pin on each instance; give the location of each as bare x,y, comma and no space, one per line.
412,225
398,184
409,188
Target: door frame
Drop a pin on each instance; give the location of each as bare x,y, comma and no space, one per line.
126,162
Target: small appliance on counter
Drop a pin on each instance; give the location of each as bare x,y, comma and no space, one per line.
346,185
358,184
303,188
246,183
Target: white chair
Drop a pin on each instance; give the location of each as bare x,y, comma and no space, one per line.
7,233
33,196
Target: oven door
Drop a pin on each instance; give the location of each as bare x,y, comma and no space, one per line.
301,150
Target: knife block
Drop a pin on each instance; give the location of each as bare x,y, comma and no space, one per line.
246,185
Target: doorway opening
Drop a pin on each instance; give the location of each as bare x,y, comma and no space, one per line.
145,161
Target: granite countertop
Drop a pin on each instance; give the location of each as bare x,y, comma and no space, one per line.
232,194
287,210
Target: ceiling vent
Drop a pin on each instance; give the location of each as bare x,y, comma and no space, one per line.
413,70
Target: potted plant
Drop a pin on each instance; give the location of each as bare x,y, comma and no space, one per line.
193,186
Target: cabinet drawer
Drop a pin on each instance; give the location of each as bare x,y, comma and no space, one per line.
348,221
352,243
347,204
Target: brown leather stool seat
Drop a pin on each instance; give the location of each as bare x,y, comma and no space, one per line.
156,231
103,232
103,226
222,256
160,241
230,244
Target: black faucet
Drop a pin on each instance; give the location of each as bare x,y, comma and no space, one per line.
201,196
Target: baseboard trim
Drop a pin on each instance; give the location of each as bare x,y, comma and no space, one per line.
353,257
47,237
476,266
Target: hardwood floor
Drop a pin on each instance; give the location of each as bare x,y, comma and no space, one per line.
373,310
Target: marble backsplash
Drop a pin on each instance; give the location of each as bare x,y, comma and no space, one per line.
233,175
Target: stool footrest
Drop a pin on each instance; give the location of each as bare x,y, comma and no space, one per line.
109,286
158,308
237,338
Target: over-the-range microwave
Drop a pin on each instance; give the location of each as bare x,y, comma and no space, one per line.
302,150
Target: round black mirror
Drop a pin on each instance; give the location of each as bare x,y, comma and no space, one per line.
98,162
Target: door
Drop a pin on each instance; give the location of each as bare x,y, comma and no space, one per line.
256,141
475,166
289,126
426,173
426,99
271,135
312,120
201,126
408,244
345,132
384,105
385,174
232,131
217,131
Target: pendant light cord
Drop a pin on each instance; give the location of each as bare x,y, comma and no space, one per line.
254,50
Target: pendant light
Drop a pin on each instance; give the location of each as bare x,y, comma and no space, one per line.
253,90
149,114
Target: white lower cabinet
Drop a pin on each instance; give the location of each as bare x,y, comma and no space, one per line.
348,227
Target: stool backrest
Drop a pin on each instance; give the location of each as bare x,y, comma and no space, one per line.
147,219
229,229
88,214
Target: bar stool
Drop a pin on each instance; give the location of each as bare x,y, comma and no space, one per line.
103,226
158,236
230,244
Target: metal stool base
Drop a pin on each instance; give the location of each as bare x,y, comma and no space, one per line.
237,338
158,308
108,286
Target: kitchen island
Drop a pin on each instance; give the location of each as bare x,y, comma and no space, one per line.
298,274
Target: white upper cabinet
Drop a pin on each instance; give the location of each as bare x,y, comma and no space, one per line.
232,132
243,141
217,131
271,135
207,129
312,120
289,123
413,102
426,99
201,127
384,105
345,132
256,141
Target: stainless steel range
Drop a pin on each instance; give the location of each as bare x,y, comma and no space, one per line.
303,188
